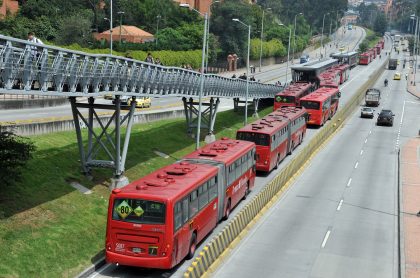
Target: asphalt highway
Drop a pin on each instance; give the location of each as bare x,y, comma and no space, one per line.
357,77
340,218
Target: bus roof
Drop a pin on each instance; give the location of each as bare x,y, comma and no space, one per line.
344,54
225,151
168,183
267,125
309,66
321,94
291,112
295,88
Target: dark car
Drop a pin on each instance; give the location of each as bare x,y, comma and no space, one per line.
386,117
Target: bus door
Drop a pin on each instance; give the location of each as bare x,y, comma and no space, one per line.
221,190
183,235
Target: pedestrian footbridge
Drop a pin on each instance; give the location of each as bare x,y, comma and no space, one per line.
34,69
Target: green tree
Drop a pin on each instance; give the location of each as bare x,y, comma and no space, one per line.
75,29
15,151
380,24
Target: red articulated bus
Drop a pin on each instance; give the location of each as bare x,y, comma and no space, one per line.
291,95
236,160
344,70
321,105
364,58
378,48
275,135
373,52
157,221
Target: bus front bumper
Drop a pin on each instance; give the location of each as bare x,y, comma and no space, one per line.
147,262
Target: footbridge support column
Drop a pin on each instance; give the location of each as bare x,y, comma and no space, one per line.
103,147
208,116
237,103
255,101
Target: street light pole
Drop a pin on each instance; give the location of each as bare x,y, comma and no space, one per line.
288,52
110,27
208,35
294,36
157,28
121,15
203,58
247,69
322,34
261,40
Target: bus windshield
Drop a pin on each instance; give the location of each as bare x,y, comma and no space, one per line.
257,138
308,104
139,211
285,99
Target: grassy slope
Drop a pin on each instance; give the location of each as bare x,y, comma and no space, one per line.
49,229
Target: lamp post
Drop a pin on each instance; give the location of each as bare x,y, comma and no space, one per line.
200,94
322,34
157,28
110,31
416,39
208,36
121,15
288,51
262,34
247,68
294,36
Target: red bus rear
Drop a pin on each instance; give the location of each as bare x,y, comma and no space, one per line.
275,135
344,70
236,160
291,95
321,105
156,221
364,58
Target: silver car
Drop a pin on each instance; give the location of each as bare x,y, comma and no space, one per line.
367,112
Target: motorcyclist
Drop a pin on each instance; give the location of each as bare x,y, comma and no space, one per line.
386,82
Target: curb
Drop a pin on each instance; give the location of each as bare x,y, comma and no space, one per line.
91,269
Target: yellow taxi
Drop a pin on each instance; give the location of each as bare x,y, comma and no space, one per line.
142,102
397,76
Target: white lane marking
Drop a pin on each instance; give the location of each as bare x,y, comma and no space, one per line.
349,182
327,235
370,131
361,152
340,204
355,166
100,271
365,140
397,142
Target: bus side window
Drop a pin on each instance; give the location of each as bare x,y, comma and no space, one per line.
213,188
244,163
193,206
185,210
177,216
231,174
238,167
203,195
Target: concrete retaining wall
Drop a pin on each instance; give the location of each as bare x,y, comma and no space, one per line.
66,125
31,103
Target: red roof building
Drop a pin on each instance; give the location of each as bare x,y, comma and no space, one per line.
9,6
128,34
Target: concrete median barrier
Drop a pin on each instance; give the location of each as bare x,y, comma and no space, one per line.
212,254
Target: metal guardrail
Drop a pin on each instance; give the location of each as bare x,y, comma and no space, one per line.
29,68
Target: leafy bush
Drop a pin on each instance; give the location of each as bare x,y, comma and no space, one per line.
15,151
272,48
167,57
